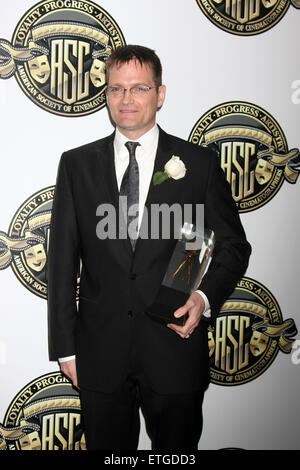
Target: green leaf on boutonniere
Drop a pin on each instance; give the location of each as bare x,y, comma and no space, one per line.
159,177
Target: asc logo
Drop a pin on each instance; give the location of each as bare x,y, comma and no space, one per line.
248,334
25,246
58,53
245,17
44,415
253,151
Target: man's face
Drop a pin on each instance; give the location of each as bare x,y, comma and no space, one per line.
134,115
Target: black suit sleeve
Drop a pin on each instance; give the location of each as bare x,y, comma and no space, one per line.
232,250
63,262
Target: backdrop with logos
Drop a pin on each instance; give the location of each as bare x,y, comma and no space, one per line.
232,74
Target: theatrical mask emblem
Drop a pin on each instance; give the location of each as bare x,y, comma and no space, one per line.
247,335
258,343
58,54
39,68
36,257
252,150
97,73
245,17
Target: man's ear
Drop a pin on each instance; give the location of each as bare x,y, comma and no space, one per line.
161,95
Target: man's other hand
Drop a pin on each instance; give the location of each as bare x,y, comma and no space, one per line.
69,369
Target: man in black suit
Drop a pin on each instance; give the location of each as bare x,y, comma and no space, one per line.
119,357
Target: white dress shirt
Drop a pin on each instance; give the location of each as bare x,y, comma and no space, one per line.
145,157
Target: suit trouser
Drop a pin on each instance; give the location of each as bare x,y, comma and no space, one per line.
112,421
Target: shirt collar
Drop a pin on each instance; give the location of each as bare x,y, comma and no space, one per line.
148,141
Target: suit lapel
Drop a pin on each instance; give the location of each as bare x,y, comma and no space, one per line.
163,154
110,186
107,170
165,192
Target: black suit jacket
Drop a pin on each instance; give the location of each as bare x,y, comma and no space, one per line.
117,285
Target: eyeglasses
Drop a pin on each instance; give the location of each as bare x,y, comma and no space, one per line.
138,90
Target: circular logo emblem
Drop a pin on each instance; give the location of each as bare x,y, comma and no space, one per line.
252,149
58,54
44,415
245,17
247,335
25,246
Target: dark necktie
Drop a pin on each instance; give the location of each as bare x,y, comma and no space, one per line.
130,189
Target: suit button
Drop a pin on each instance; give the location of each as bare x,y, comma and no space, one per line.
132,276
129,313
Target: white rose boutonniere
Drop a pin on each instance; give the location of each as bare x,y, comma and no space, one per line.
174,168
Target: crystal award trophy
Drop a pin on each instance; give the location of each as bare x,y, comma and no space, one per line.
187,266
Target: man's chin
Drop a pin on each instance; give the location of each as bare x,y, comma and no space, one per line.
129,127
127,121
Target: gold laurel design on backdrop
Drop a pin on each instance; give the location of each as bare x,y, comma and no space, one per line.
223,132
73,29
51,404
250,307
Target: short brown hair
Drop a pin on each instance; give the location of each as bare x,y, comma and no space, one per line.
143,55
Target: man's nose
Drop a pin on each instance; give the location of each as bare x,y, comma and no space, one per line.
127,96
